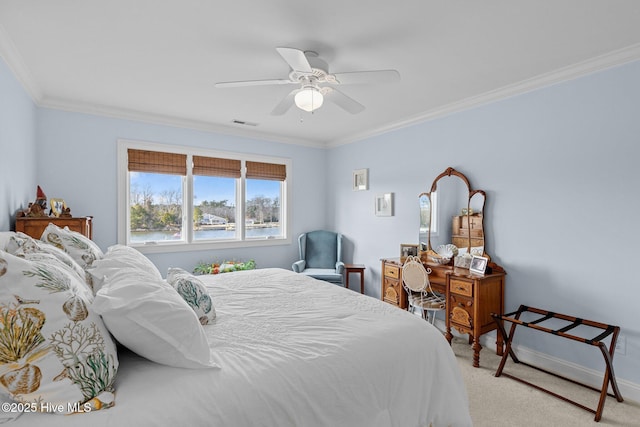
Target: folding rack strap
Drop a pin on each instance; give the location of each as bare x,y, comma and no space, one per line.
609,376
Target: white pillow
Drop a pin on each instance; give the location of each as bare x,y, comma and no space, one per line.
82,249
194,292
149,317
55,348
120,260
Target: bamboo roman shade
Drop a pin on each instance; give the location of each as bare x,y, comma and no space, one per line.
157,162
212,166
176,164
269,171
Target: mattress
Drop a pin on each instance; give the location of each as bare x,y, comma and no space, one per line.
292,351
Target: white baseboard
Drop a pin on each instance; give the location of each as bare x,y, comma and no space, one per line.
591,377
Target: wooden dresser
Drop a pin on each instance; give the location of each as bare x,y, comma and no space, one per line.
34,226
471,298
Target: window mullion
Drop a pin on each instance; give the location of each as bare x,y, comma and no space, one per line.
187,202
240,198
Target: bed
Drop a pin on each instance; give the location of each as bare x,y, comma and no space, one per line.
287,350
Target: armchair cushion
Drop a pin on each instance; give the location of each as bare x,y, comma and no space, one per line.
328,275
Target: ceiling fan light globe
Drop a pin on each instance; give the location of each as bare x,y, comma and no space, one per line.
309,99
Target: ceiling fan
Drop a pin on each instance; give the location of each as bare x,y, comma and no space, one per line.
311,74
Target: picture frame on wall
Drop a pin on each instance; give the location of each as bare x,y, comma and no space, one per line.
478,264
384,204
360,179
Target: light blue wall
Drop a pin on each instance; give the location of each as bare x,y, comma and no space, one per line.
77,158
558,165
17,148
560,168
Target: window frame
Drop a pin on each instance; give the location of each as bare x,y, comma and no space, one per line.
188,243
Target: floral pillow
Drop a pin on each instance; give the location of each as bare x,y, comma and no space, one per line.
55,352
4,239
82,249
194,292
26,247
15,242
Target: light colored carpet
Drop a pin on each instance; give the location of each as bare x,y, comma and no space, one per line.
502,401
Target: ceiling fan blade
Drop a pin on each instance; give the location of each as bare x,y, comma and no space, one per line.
284,105
295,58
253,83
341,100
367,77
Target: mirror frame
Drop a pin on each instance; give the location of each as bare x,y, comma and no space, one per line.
452,172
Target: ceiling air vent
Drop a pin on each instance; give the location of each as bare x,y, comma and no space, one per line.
243,123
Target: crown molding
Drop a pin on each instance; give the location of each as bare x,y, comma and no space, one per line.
14,61
590,66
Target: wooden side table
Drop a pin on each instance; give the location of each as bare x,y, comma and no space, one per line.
354,268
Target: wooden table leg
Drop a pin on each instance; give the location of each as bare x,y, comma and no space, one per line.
476,351
354,268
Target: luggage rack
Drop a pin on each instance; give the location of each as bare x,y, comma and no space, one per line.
609,377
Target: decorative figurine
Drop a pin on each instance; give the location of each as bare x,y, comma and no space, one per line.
39,207
66,213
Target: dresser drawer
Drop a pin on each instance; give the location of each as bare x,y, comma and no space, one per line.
461,312
461,287
391,271
392,292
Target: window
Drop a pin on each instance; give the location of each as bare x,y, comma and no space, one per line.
262,201
174,198
214,197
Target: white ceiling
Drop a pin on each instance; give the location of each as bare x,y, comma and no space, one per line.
158,60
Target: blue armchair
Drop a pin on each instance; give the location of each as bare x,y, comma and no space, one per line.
320,256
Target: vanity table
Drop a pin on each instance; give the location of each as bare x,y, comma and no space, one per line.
471,298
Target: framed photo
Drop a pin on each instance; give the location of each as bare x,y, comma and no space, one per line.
478,264
384,204
407,249
360,179
57,206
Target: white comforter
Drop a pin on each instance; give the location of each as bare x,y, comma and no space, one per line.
293,351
